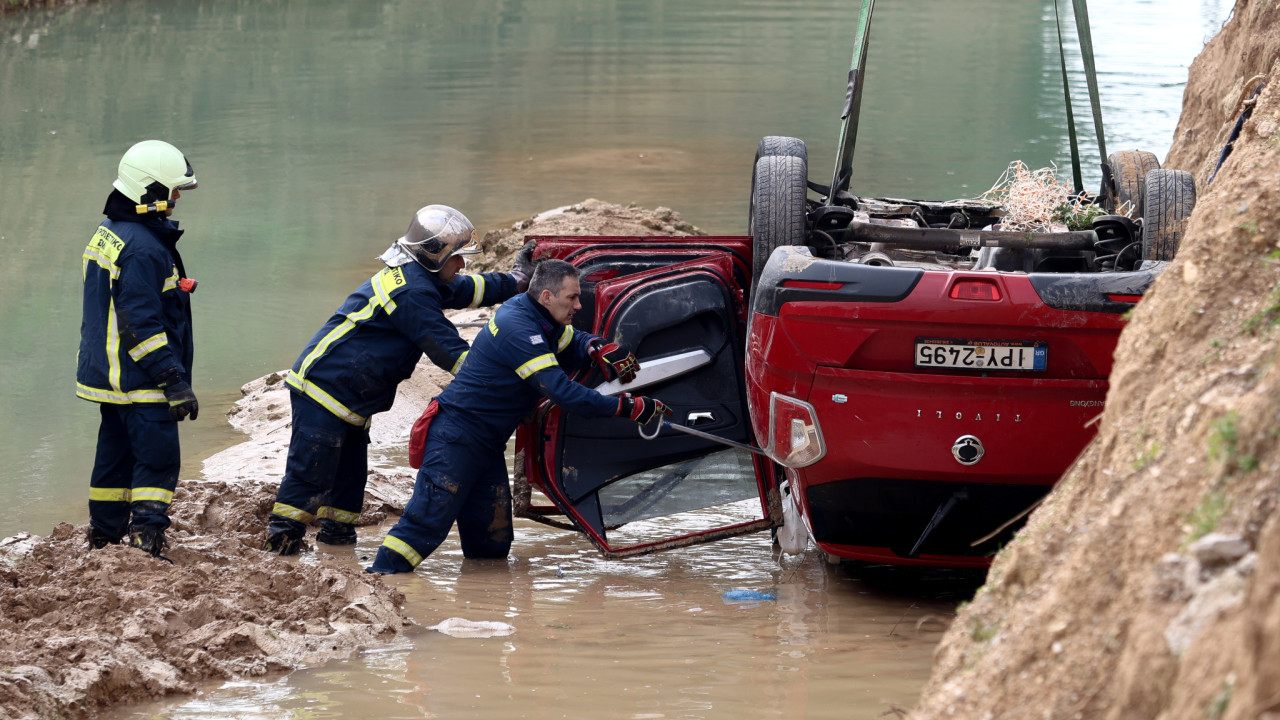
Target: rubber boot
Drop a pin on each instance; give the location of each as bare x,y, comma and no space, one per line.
284,536
333,532
98,540
150,539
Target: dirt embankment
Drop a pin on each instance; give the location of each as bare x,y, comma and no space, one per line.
1146,585
81,630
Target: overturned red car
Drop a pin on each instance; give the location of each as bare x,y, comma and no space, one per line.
916,375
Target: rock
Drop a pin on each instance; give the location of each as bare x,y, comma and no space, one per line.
1217,549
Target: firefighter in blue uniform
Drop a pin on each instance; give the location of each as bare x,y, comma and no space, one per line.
135,348
351,368
520,358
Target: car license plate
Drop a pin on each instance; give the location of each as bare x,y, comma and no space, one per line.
982,355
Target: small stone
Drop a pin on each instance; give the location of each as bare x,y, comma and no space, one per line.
1219,549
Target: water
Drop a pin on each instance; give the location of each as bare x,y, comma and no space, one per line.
648,637
317,127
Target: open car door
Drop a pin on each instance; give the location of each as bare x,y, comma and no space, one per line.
679,308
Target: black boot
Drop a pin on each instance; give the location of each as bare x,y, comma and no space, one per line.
333,532
150,539
284,536
98,539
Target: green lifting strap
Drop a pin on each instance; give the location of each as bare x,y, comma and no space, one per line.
852,104
1090,71
1066,91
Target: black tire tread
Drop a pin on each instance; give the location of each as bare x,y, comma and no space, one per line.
771,145
778,210
1130,168
1170,198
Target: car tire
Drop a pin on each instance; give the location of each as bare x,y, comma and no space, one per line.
1129,170
1170,196
774,146
778,193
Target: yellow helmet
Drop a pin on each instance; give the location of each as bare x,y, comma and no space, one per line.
151,170
436,233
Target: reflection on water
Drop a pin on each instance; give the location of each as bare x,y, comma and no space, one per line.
648,637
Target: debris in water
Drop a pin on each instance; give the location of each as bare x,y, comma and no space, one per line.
463,628
740,595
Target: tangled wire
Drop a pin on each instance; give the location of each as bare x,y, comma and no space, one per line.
1034,200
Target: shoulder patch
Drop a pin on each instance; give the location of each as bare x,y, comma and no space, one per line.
395,276
537,340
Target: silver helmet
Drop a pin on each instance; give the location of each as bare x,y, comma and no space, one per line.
436,233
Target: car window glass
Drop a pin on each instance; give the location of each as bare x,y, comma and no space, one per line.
681,497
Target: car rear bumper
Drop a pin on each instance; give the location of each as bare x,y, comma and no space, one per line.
883,520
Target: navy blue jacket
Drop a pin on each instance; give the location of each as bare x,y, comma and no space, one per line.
354,363
520,358
136,322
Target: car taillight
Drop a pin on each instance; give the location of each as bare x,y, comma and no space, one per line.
795,439
975,290
601,275
812,285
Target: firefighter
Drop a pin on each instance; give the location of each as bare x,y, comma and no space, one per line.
518,359
135,348
351,368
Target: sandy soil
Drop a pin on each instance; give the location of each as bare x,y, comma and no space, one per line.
81,630
1146,585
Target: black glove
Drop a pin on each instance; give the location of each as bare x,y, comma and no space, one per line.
523,264
614,360
522,281
182,401
641,409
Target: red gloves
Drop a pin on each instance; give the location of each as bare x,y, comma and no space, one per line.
614,360
641,409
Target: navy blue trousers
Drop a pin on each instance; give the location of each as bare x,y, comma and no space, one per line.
327,468
135,469
461,480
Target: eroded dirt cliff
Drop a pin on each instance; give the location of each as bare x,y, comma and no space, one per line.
1146,584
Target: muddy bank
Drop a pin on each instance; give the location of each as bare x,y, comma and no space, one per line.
1146,584
81,630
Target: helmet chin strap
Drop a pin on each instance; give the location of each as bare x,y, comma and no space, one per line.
158,206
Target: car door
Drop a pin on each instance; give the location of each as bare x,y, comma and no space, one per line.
683,319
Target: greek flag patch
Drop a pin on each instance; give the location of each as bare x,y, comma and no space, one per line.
536,339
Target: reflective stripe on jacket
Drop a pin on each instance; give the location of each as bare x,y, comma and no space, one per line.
136,322
521,357
353,364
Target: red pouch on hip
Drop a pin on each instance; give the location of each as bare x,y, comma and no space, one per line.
418,435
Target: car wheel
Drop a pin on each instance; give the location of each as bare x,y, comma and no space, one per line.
777,207
1129,169
774,146
1170,198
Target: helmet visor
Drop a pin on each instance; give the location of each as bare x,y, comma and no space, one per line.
191,182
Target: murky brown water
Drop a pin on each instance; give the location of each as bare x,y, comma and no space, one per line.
648,637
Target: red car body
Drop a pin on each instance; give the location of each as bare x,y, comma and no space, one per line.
895,484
